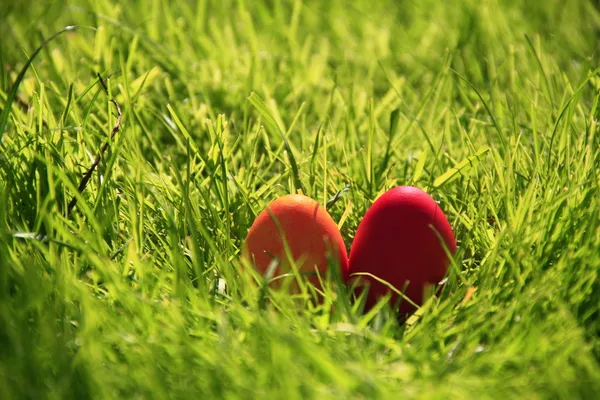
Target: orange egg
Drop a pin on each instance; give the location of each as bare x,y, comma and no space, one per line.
310,232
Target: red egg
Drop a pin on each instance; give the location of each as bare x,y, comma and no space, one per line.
401,241
311,235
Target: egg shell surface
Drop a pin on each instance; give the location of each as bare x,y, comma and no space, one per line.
309,231
397,242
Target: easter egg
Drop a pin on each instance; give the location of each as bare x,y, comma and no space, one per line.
309,231
401,241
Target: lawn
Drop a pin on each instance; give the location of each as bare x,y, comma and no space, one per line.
128,285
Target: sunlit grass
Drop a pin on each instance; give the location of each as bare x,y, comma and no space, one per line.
491,106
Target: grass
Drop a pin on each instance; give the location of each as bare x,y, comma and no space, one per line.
491,106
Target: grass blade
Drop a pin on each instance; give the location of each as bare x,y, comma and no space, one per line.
13,91
274,127
460,169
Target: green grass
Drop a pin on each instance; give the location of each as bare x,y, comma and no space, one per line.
227,104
